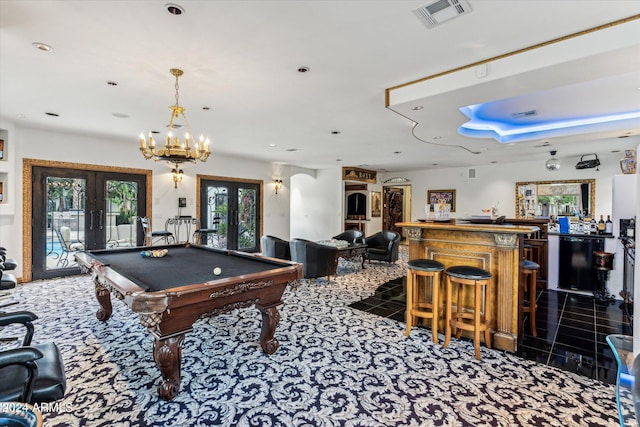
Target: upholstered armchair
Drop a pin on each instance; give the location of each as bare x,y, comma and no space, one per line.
317,260
30,374
351,236
275,247
383,246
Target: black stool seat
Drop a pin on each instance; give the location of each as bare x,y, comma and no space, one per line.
468,272
161,233
530,265
425,265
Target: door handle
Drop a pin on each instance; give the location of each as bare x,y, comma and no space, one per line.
91,220
101,219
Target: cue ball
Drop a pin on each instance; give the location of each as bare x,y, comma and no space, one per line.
217,271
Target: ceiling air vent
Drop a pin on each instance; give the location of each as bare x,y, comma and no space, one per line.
436,12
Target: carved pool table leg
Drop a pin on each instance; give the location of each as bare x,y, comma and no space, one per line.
104,299
270,319
168,356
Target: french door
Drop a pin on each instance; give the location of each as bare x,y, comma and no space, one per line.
76,209
230,210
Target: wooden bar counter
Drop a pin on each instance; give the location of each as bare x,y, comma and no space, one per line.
494,248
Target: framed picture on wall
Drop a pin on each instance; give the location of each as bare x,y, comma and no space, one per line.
376,204
448,196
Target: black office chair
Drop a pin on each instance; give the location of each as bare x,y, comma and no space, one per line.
351,236
383,246
7,264
275,247
7,282
30,374
317,260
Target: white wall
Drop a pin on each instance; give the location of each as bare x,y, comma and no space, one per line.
496,184
76,148
316,204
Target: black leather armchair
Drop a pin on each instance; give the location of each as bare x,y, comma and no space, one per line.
351,236
30,374
383,246
275,247
317,260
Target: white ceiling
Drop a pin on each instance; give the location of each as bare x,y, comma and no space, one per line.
240,58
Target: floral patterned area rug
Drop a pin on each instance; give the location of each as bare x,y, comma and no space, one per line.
336,366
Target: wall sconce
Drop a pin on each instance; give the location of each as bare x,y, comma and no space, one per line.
278,184
177,176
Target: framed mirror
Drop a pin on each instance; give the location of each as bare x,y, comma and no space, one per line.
544,199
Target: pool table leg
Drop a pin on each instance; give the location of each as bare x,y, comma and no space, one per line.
270,319
167,352
104,299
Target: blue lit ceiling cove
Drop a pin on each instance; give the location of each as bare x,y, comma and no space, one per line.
526,126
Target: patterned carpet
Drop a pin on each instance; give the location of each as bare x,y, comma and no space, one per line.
336,366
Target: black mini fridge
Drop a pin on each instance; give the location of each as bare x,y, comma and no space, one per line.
576,262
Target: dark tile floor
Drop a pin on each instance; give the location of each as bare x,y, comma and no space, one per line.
571,328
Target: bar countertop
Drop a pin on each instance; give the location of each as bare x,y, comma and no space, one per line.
464,225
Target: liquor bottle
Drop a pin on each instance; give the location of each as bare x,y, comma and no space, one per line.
593,226
601,225
608,226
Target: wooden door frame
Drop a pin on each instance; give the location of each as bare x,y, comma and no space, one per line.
258,182
27,196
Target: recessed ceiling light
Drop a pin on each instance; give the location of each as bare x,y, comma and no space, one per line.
53,114
120,115
437,137
206,108
417,107
155,132
615,151
272,145
174,9
21,116
335,132
397,152
303,69
292,149
112,83
176,126
42,46
338,160
434,164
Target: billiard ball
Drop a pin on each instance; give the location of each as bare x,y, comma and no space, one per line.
217,271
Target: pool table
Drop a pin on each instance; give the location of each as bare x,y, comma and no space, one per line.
172,292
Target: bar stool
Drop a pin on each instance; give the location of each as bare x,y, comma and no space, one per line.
468,320
416,306
530,270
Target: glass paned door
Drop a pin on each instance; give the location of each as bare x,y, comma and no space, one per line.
216,216
121,207
76,210
230,211
65,213
247,218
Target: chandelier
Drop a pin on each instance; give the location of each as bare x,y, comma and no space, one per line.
175,151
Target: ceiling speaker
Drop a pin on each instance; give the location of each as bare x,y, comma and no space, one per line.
471,173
